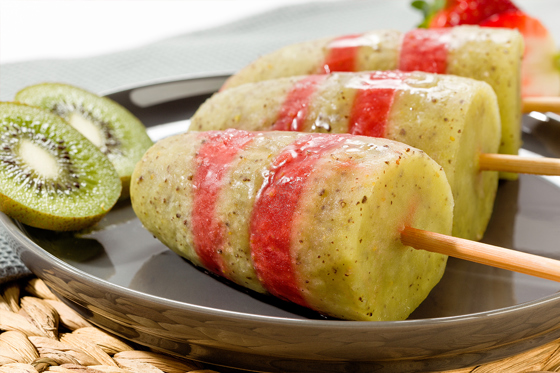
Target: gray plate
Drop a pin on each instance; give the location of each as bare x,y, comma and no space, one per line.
125,281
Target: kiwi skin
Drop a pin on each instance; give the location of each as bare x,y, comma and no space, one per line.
45,220
90,190
126,139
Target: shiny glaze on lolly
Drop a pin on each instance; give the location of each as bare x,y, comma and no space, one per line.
213,162
274,209
294,110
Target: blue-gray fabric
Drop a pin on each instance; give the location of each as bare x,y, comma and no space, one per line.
222,49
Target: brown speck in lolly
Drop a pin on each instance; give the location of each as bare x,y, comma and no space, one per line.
186,223
322,192
178,216
364,200
445,119
402,132
141,178
190,177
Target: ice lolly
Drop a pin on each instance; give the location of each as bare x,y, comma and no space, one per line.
452,119
314,219
492,55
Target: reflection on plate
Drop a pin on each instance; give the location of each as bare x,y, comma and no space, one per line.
124,280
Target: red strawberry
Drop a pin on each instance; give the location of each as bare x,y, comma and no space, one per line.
442,13
516,19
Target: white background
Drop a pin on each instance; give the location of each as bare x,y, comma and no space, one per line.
37,29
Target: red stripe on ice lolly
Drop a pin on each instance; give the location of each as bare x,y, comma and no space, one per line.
342,53
274,209
294,109
373,101
425,50
213,162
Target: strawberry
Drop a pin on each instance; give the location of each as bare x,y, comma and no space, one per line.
516,19
442,13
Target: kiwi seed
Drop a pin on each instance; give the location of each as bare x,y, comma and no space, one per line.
51,176
112,128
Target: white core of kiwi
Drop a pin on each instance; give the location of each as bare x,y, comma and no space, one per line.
87,128
39,159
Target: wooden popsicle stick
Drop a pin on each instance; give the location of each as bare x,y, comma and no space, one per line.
542,104
478,252
517,164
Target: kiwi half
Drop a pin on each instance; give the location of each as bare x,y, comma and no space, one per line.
112,128
51,176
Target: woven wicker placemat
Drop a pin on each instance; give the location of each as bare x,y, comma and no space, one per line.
39,333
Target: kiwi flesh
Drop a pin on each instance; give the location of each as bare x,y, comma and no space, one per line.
112,128
51,176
